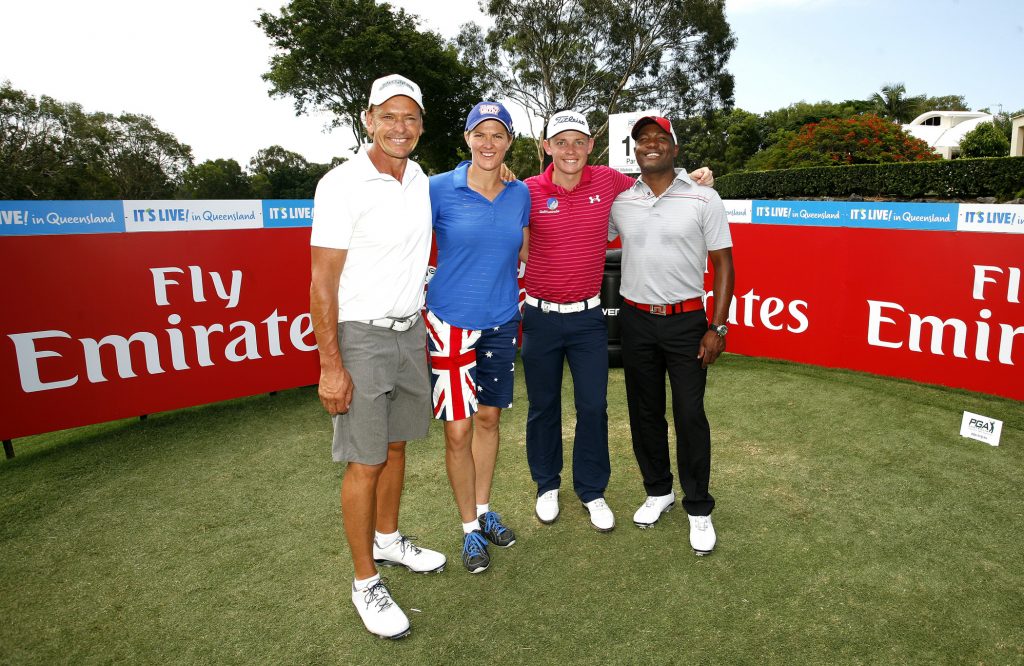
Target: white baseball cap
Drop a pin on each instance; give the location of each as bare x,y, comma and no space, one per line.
387,87
564,121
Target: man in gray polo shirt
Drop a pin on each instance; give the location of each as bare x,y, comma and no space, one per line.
370,245
669,228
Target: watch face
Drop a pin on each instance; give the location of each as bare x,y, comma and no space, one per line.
721,329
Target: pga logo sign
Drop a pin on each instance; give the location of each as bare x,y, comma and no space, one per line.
982,424
981,428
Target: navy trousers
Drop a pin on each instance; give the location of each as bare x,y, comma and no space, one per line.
549,339
652,345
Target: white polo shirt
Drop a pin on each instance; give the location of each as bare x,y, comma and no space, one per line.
666,239
385,226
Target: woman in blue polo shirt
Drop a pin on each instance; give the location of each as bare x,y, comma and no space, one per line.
473,318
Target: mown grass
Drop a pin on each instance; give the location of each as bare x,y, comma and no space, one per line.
855,526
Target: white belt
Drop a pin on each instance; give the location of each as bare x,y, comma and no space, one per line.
564,308
403,324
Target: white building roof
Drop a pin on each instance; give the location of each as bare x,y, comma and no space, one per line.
952,128
949,118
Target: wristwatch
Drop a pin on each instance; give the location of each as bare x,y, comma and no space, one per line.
720,329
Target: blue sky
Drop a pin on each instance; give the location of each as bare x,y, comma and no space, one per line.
847,49
195,65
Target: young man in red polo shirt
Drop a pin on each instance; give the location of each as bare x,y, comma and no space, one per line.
562,318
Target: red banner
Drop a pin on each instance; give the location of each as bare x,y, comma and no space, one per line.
105,326
941,307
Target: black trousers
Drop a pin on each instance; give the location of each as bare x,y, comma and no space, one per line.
651,346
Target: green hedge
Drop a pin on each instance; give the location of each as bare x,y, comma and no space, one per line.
1000,177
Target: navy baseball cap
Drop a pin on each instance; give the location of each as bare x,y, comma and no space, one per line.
489,111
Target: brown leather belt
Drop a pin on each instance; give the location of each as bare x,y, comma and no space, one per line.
689,305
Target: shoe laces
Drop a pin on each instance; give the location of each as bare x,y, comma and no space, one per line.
650,502
474,544
492,523
597,505
551,495
701,523
378,595
406,543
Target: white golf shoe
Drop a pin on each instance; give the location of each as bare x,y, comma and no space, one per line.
652,508
601,516
379,612
702,534
547,507
403,553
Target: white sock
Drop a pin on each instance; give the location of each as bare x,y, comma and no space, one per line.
360,585
481,509
470,526
385,540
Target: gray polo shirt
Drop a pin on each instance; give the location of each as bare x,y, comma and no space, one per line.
666,239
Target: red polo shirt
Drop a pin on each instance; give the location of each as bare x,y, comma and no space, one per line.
569,233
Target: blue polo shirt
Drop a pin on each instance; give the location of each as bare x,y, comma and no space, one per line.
475,285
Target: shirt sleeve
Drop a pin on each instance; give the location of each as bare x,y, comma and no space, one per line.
435,200
716,223
621,181
613,231
333,221
524,196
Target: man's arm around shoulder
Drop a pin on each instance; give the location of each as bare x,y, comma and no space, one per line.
335,382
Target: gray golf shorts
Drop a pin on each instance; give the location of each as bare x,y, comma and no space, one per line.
391,395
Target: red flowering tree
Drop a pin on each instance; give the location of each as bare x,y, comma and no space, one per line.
862,139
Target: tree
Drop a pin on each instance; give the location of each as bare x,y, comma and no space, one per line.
603,56
144,161
55,150
29,143
892,102
702,142
865,139
985,140
522,157
282,174
1004,122
800,113
943,103
49,149
745,134
215,179
330,51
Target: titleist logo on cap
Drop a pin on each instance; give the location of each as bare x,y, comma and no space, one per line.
565,121
568,118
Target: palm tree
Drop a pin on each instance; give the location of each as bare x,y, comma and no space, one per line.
892,102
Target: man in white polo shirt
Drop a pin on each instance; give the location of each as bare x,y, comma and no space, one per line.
669,227
370,246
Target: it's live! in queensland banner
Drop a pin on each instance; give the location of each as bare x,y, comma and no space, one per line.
890,215
36,218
